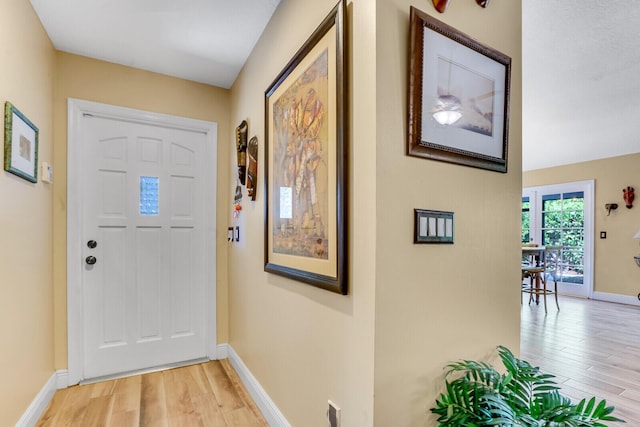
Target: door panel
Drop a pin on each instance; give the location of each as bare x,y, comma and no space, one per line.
144,298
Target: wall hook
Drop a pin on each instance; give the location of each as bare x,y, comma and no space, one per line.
610,207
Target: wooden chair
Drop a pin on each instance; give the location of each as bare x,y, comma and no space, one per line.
539,272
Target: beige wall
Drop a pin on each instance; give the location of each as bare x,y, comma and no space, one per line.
83,78
410,310
422,306
615,271
440,303
26,299
306,345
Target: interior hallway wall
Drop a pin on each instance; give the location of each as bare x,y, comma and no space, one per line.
410,307
306,345
440,303
26,291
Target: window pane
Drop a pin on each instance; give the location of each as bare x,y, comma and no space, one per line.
149,195
572,266
573,237
526,220
551,202
552,237
575,195
551,219
573,219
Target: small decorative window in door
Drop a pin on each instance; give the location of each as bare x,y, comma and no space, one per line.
149,195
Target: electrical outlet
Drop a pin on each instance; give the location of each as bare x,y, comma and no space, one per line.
333,415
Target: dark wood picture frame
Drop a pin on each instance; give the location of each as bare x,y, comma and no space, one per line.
446,64
306,162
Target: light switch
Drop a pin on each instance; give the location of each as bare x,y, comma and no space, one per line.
46,172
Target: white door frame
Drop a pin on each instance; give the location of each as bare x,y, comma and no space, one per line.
75,153
588,187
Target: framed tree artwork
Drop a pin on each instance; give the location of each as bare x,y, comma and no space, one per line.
305,167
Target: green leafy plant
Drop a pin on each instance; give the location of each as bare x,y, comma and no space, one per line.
521,397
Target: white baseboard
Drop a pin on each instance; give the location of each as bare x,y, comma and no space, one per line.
222,351
63,378
620,299
34,411
269,409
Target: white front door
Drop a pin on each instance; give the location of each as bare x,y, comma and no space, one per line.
144,229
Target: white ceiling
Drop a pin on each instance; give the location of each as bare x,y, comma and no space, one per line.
581,80
206,41
581,60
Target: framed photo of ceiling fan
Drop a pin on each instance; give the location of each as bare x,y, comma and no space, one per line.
458,108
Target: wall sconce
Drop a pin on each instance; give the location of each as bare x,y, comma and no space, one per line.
628,195
441,5
610,207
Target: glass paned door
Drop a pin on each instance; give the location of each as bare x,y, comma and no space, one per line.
562,215
526,219
563,225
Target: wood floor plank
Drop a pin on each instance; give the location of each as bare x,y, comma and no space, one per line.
153,408
178,397
125,419
127,392
193,377
76,405
104,388
242,392
591,347
53,410
242,417
223,389
180,407
208,410
98,412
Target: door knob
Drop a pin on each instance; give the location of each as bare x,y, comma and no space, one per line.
90,260
92,244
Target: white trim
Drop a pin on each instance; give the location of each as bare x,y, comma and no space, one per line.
271,413
42,399
75,152
63,378
222,351
617,298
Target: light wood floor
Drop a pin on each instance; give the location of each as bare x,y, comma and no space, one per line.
592,347
208,394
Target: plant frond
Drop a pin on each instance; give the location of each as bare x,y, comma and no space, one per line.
522,397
